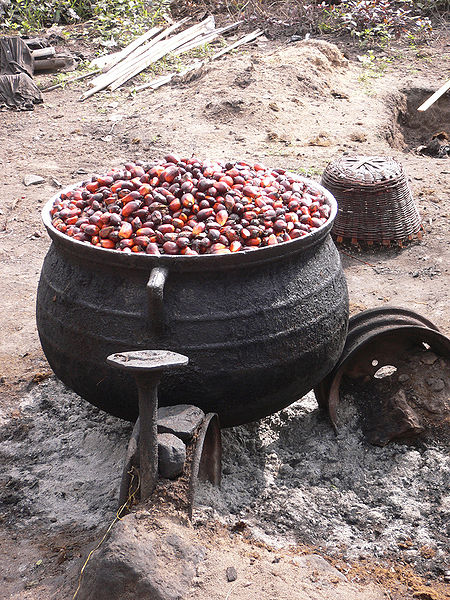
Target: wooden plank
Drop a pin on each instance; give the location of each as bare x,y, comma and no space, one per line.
432,99
164,79
106,79
134,56
112,59
172,44
208,37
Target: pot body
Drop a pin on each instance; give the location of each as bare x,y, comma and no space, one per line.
260,328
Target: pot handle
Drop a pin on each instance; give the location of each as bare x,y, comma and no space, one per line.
155,291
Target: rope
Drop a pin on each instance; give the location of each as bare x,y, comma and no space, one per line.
134,473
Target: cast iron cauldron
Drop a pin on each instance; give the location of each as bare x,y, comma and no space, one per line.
261,328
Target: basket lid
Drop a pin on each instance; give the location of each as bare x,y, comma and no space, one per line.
364,171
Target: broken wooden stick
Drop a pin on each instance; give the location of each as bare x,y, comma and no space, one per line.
71,80
432,99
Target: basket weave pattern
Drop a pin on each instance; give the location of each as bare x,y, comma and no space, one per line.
374,200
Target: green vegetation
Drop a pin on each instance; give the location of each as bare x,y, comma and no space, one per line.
108,17
370,22
376,21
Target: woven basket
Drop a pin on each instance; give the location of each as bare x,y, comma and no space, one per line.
374,200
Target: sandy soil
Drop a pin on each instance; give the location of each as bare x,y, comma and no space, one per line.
293,105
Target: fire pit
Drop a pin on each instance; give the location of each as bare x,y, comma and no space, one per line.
260,327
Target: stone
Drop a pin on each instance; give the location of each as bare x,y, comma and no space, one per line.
137,563
171,455
436,384
231,574
429,358
181,420
32,180
319,565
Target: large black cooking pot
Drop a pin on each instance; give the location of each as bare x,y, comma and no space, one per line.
261,328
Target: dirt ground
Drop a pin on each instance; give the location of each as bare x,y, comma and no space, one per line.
293,105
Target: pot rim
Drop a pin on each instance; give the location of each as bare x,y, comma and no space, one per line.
189,263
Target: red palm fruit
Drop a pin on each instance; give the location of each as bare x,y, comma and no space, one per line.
166,228
227,179
152,248
91,230
221,187
145,189
156,171
137,171
133,195
107,244
92,186
172,158
235,246
188,200
142,240
105,231
170,248
126,230
175,205
222,217
198,228
129,208
117,185
105,180
169,174
272,240
315,222
145,231
250,191
178,223
216,247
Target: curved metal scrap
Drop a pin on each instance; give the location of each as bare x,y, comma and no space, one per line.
207,458
377,338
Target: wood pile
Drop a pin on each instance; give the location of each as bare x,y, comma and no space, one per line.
118,68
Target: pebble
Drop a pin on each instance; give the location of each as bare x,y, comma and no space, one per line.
231,574
32,180
436,384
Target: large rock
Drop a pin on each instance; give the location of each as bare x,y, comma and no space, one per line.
182,420
138,562
171,455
